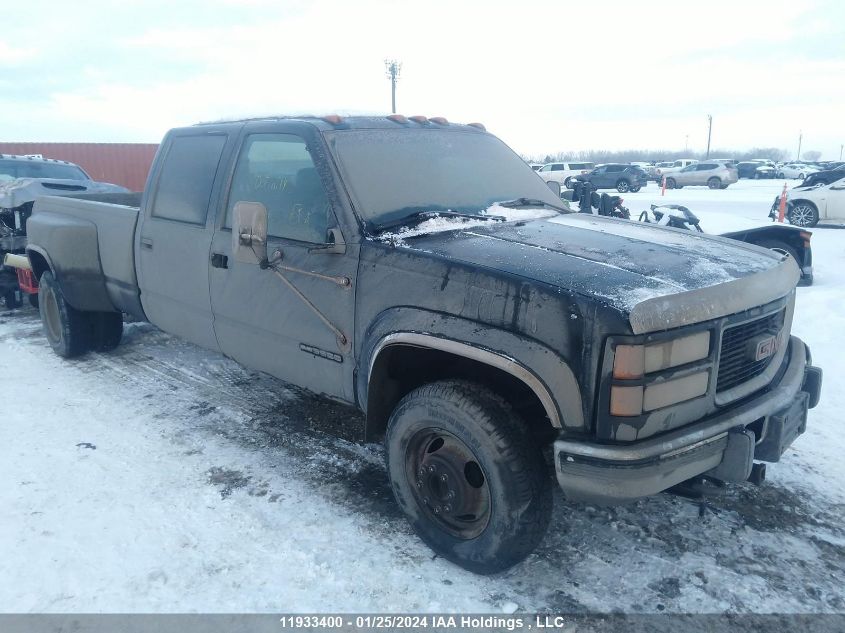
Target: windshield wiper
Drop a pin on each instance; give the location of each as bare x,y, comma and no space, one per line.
518,203
422,216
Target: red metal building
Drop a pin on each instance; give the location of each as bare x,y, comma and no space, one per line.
124,164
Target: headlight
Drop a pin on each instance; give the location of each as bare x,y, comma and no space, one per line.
636,400
635,361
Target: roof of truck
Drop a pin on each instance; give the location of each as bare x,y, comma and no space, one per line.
338,122
39,159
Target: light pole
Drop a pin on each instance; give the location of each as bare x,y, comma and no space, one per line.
800,138
686,143
709,131
840,151
393,68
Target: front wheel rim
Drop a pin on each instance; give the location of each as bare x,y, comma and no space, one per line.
622,187
448,483
802,216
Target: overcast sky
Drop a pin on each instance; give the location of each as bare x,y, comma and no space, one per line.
544,76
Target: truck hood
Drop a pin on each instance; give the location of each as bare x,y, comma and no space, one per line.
659,277
16,192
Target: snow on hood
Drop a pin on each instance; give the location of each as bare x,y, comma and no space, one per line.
16,192
450,223
660,277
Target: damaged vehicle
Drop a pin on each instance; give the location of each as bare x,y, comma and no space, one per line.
481,326
22,180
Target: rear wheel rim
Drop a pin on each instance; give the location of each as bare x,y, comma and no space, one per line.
52,319
622,187
448,483
802,215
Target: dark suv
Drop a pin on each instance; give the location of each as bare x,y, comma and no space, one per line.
623,178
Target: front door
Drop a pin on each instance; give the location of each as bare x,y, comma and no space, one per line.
294,319
174,237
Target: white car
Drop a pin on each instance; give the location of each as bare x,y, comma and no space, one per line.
796,170
564,173
808,205
677,165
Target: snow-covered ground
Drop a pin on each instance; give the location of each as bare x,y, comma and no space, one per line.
163,478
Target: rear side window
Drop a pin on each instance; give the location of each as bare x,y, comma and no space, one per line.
615,168
705,167
557,167
580,166
184,187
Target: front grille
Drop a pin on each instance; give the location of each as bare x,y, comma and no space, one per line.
736,366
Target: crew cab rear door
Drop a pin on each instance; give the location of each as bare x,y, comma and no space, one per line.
174,235
293,320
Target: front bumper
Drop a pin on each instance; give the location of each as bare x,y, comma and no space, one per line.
760,428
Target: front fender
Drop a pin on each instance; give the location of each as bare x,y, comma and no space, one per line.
543,370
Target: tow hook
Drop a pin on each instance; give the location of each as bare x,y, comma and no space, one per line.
758,474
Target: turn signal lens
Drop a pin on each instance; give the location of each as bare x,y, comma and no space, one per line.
626,401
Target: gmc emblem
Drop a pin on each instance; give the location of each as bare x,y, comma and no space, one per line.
766,345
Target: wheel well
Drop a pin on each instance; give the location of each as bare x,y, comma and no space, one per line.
401,368
38,262
802,201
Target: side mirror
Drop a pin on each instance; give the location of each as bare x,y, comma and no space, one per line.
335,244
249,232
554,185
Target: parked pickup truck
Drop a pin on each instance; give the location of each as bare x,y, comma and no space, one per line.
421,271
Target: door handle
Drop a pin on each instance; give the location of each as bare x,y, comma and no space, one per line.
147,243
219,260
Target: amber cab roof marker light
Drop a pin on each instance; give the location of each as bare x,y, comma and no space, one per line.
397,118
439,120
419,119
480,126
334,119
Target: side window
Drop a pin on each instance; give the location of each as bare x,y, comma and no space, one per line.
184,187
599,170
612,169
277,170
557,167
546,168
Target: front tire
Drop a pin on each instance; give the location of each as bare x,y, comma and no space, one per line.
468,475
803,214
670,183
622,186
67,329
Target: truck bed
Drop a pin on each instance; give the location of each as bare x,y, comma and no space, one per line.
91,238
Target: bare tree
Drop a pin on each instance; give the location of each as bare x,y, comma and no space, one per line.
811,155
629,155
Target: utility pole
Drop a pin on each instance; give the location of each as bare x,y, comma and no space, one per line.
840,151
800,138
686,143
393,68
709,131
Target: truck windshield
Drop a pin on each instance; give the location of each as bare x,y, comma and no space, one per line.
392,174
10,169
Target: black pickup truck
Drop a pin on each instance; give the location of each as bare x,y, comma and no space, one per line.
421,271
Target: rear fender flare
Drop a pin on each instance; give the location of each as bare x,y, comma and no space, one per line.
70,247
